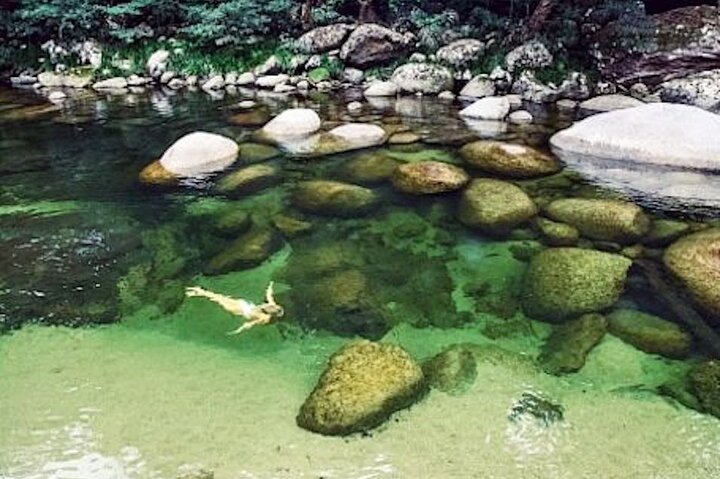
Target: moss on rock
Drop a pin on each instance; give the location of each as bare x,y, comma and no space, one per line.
564,283
601,219
362,386
452,371
508,160
695,261
650,333
248,251
704,382
334,198
495,207
568,346
428,177
557,234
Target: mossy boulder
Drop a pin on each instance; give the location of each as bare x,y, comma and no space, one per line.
333,198
291,227
248,251
155,174
601,219
695,261
704,382
649,333
508,160
369,168
568,346
231,223
344,303
257,152
428,178
664,232
557,234
452,371
564,283
250,179
495,207
363,385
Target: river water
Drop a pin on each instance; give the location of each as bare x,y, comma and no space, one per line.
107,371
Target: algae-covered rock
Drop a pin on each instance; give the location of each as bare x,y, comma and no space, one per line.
564,283
257,152
695,261
704,381
248,251
232,223
495,207
362,386
508,160
291,227
569,344
156,174
369,168
557,234
342,302
334,198
540,409
452,371
650,333
607,220
664,232
428,177
250,179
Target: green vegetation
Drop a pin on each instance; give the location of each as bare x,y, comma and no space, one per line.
225,35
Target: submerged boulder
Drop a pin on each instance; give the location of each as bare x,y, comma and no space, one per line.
371,44
495,207
564,283
661,134
704,381
600,219
650,333
195,154
422,78
428,177
248,180
695,261
453,371
557,234
249,250
334,198
369,168
569,344
362,386
508,160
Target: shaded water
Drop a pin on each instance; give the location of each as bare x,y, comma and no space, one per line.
162,385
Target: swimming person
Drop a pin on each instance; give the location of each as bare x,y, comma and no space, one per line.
256,314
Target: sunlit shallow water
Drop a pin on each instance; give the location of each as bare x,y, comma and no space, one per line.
166,387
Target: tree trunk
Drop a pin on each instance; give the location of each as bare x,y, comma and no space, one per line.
367,12
539,17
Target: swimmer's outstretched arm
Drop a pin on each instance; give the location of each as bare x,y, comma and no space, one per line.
238,307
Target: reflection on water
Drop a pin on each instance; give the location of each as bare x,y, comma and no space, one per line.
684,192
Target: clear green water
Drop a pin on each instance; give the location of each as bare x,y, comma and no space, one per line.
162,385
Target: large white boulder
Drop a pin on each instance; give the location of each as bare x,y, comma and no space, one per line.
157,63
381,88
199,153
490,108
422,78
605,103
295,122
659,133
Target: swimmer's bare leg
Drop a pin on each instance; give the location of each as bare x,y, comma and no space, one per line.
238,307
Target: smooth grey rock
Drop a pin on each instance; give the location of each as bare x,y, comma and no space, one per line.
491,108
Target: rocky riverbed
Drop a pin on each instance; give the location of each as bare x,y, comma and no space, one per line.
477,246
